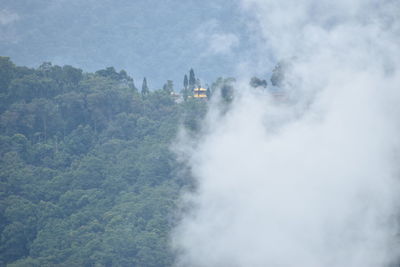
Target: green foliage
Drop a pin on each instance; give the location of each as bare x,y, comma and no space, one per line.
195,110
185,82
86,174
7,70
192,80
169,86
279,73
257,82
122,77
145,89
185,90
224,88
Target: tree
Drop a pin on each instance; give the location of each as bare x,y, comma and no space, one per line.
45,67
109,72
133,86
169,86
47,119
86,174
225,88
185,90
185,82
33,86
279,73
6,73
122,77
73,109
192,80
145,88
256,82
72,75
208,92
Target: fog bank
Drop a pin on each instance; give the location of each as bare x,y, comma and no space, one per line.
310,180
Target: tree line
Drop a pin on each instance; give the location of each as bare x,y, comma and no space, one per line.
87,176
86,172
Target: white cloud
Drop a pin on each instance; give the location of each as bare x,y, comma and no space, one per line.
222,43
314,181
8,17
214,40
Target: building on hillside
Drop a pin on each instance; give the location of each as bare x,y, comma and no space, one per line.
200,93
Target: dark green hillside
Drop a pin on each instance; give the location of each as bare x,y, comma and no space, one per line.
87,177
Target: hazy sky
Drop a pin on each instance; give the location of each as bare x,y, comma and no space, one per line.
158,39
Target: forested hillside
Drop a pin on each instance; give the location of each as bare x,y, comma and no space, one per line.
87,175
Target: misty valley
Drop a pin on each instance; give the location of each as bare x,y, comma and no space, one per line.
244,133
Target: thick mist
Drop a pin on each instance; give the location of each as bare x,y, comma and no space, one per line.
312,179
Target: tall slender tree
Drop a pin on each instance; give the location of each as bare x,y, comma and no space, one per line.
185,82
208,92
185,90
145,88
192,79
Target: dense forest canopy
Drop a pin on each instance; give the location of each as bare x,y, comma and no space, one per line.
86,171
